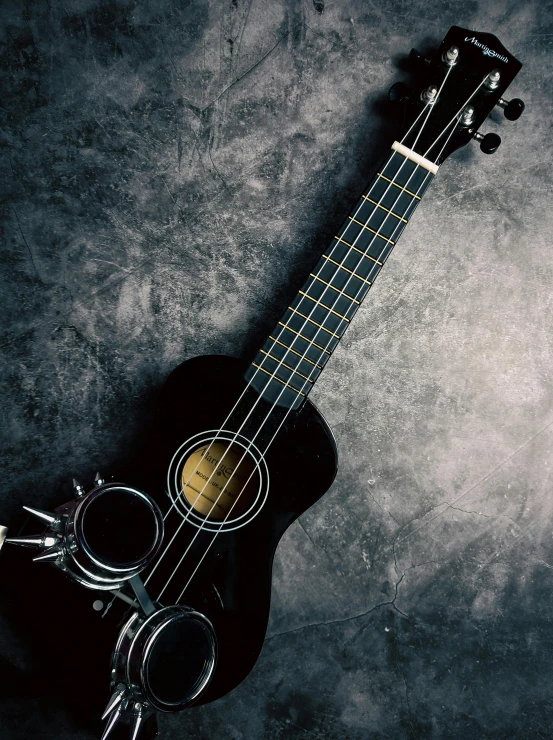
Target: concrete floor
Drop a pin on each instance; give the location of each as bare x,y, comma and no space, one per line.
171,171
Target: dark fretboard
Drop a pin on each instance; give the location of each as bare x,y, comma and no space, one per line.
294,354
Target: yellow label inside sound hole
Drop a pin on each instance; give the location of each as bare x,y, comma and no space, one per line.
213,482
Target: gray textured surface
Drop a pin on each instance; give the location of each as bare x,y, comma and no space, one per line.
169,170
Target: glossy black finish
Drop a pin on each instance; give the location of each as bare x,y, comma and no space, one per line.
417,60
490,143
398,92
231,588
514,109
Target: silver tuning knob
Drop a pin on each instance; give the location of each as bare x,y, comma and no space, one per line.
493,79
450,56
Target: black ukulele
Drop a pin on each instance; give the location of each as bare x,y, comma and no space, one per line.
178,545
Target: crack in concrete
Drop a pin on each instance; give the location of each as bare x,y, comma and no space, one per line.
487,516
309,536
216,170
247,72
382,508
343,620
479,482
25,242
407,700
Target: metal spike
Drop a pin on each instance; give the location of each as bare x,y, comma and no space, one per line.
77,488
113,720
48,556
38,540
98,480
137,720
3,533
115,699
44,516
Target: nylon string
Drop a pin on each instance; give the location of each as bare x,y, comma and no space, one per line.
278,430
316,335
305,353
268,381
229,415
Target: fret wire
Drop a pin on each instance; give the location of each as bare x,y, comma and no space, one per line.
296,353
336,289
275,377
368,256
287,366
368,282
310,342
306,339
364,254
364,280
344,318
380,236
392,182
366,197
295,310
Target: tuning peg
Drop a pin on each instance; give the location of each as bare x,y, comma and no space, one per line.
512,109
488,143
398,92
50,519
78,490
450,56
417,59
98,480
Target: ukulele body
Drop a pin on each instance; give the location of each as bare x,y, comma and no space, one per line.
233,583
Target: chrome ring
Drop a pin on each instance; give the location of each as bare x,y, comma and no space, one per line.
148,660
105,547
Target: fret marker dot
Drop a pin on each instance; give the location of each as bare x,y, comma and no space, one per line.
98,605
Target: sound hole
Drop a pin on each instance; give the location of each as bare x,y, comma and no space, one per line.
215,479
119,527
179,661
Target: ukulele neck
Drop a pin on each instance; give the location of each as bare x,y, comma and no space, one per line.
294,354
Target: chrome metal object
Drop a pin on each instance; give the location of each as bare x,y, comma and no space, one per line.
101,540
3,533
450,56
164,661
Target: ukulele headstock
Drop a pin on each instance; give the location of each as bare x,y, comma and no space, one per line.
456,89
